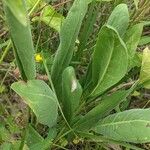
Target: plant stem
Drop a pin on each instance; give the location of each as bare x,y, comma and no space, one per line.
35,5
5,52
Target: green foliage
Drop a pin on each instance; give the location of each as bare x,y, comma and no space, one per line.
110,53
119,19
71,92
144,40
89,85
68,35
105,106
17,8
21,37
33,137
128,126
35,141
40,98
132,38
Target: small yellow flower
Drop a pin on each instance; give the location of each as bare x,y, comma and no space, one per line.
38,58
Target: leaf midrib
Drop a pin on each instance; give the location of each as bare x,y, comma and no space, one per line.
124,122
106,68
41,96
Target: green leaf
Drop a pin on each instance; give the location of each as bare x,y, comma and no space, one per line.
50,17
21,38
6,146
40,98
146,23
132,38
137,60
17,9
87,28
119,19
36,142
144,40
68,35
128,126
145,69
4,133
33,137
44,145
72,92
106,105
110,60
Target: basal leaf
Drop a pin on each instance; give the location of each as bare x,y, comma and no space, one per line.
128,126
68,35
40,98
21,38
132,38
106,105
72,91
119,19
17,9
110,60
145,69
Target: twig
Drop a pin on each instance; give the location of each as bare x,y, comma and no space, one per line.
123,86
62,3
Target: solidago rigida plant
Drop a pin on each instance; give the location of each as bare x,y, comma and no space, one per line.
88,107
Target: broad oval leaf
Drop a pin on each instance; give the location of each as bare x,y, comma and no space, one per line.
21,38
40,98
119,19
110,60
72,91
128,126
